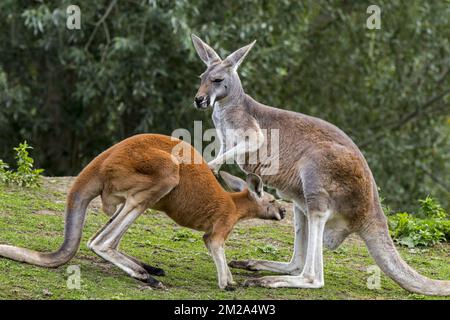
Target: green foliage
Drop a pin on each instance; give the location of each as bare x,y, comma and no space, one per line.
427,228
73,93
431,209
4,173
25,175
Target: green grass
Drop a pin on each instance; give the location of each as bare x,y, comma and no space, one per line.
33,218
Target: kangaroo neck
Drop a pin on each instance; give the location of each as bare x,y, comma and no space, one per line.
241,201
234,98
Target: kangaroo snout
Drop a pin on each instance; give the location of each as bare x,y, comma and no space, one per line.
201,102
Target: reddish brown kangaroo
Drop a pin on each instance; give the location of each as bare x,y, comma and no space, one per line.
152,171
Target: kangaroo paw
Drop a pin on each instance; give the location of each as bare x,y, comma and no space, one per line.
152,282
230,288
243,264
153,270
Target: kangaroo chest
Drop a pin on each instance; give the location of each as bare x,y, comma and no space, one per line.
221,124
273,162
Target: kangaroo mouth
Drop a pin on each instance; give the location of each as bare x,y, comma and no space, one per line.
202,106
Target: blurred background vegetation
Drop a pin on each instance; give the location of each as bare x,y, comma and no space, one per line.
132,69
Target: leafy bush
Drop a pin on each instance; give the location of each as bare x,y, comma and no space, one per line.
428,227
25,175
430,208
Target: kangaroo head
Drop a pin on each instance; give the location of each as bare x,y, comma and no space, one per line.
220,81
250,198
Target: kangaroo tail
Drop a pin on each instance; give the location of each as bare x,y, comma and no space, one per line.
382,249
78,199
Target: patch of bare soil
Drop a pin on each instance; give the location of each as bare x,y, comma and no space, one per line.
47,212
58,184
61,185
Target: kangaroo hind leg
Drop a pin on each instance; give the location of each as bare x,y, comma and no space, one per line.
294,266
106,243
318,213
150,269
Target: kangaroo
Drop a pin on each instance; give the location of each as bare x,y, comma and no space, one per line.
151,171
320,169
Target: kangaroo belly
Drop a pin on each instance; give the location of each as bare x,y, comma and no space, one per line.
186,215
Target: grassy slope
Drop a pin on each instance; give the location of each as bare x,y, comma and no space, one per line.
33,218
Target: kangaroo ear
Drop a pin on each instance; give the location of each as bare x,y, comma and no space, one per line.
255,184
235,183
205,52
236,58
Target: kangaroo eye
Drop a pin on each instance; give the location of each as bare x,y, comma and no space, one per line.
217,80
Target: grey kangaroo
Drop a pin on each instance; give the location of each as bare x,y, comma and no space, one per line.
320,169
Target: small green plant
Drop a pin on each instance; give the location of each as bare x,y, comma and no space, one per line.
267,249
183,235
4,173
431,209
25,175
428,227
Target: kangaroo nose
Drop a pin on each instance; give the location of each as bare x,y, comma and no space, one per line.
199,99
282,213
